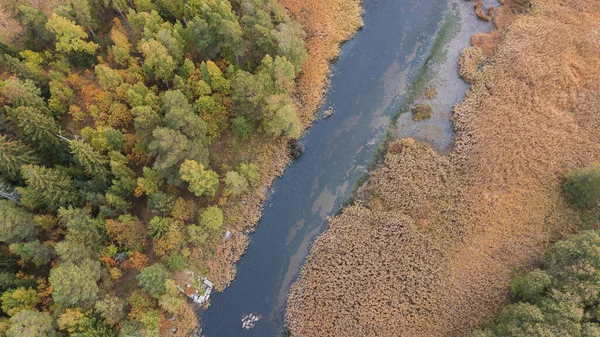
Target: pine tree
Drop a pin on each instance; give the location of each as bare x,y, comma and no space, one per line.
51,186
17,224
37,127
13,155
92,161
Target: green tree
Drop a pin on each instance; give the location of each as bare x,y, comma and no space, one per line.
17,224
241,127
197,234
161,203
583,186
92,161
212,218
212,75
150,182
121,48
561,299
159,227
108,78
16,300
111,308
82,11
250,172
22,93
201,182
214,29
124,182
531,286
33,251
60,94
248,95
172,300
170,147
28,323
51,186
37,127
69,36
82,229
153,279
184,137
157,60
276,74
235,183
280,118
75,283
145,121
289,38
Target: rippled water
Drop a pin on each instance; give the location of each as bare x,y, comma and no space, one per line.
368,82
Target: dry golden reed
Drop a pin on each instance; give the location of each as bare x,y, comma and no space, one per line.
432,252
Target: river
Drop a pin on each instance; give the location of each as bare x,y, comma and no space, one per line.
367,86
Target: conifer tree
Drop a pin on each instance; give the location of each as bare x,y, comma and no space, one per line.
13,155
51,186
37,127
92,161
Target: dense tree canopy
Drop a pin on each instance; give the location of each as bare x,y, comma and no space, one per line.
126,130
561,299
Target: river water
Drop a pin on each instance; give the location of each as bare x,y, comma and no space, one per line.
367,87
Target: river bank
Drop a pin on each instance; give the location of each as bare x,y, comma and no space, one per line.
326,31
367,84
431,250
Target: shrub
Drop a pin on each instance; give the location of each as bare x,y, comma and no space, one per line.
582,187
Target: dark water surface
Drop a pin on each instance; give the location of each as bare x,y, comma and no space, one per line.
367,85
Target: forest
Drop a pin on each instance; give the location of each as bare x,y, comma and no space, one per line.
131,133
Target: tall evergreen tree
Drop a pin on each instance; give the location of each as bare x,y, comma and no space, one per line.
13,155
92,161
16,224
37,127
50,186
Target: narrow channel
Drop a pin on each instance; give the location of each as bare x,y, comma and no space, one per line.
367,86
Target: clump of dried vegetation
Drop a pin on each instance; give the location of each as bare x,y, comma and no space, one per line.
431,91
469,63
481,13
421,111
432,252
